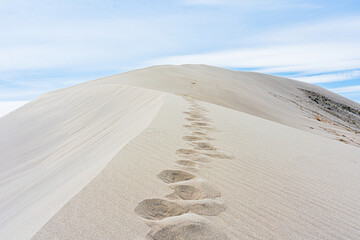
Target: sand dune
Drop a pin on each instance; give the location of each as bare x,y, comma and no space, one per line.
182,152
281,100
54,146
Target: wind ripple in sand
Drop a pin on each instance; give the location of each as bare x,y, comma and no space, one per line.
196,195
192,138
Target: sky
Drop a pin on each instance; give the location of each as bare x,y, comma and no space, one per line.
47,45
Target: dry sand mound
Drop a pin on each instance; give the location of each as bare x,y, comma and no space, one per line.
149,154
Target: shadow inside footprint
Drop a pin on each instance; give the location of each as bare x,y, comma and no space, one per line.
192,138
157,209
196,192
186,152
186,192
207,208
195,115
171,176
201,124
187,230
204,146
199,119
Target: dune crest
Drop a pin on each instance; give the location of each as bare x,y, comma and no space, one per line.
57,144
182,152
289,102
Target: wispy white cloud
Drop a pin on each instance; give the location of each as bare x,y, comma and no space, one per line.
323,30
110,36
348,89
307,58
332,77
83,44
306,49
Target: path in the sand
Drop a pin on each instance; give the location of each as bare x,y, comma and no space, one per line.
192,196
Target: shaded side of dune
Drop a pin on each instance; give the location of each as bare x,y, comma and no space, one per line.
54,146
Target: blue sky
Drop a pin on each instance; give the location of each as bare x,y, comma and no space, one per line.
46,44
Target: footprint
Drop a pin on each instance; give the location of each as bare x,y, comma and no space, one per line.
195,115
209,129
171,176
193,119
186,152
157,209
195,110
190,126
186,230
181,220
186,192
204,146
202,119
187,163
192,138
209,208
198,109
201,124
196,191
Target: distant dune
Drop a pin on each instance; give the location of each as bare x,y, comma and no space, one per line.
182,152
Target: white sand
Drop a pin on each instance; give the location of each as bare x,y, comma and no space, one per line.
256,174
248,92
52,147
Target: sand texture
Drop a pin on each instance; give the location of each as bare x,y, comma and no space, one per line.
182,152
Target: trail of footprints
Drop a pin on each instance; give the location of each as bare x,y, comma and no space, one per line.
178,215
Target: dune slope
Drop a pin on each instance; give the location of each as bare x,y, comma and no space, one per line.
237,177
52,147
182,152
292,103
